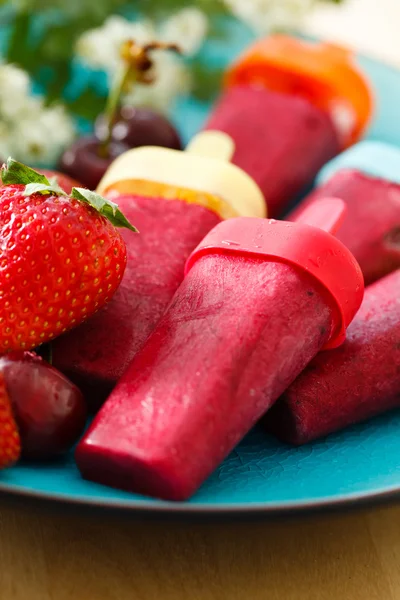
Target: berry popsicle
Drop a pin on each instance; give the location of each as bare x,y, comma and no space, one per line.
367,178
174,198
290,106
259,300
352,383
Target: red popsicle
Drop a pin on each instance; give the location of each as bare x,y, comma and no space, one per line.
290,106
357,381
260,299
367,178
172,219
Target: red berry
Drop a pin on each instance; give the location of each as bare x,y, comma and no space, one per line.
85,161
10,443
50,411
60,261
140,127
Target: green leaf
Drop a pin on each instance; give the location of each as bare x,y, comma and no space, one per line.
59,80
206,81
43,188
34,182
18,50
16,172
105,207
159,10
88,105
214,8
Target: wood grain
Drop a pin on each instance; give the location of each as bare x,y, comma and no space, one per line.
59,554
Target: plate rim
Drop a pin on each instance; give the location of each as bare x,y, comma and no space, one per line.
160,507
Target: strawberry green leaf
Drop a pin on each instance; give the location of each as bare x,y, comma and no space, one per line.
15,172
42,188
105,207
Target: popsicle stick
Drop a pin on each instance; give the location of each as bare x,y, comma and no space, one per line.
212,144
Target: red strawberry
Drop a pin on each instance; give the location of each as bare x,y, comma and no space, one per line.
10,444
61,259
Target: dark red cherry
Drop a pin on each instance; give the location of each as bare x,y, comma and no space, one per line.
86,160
140,127
49,410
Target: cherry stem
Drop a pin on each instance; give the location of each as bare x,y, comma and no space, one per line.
124,76
135,68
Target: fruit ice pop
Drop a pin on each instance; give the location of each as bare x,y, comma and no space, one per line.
259,300
352,383
290,106
367,178
174,198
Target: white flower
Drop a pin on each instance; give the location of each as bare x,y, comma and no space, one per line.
57,127
14,79
270,15
6,141
97,53
40,138
100,48
187,28
14,90
171,78
30,145
29,131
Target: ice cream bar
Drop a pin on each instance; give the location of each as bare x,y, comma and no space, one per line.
290,106
367,178
352,383
259,300
174,198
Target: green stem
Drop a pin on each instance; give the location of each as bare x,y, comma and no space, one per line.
124,76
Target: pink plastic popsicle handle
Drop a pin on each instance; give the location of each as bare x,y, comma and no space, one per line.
327,215
307,245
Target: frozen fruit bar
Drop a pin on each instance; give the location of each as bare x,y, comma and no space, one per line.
290,106
352,383
259,300
367,178
174,198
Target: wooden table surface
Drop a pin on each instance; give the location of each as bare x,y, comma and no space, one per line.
59,553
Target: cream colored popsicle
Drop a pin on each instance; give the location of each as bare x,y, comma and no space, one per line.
203,167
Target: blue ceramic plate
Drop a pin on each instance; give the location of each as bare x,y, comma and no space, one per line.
262,475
